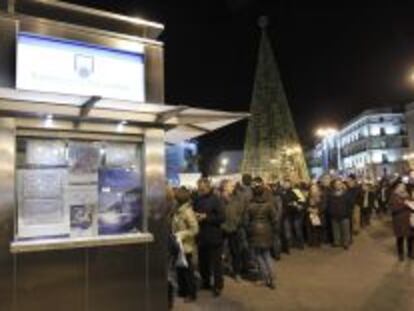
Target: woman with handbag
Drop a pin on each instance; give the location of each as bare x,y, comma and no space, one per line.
402,219
314,223
185,228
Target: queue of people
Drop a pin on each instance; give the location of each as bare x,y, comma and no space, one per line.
244,227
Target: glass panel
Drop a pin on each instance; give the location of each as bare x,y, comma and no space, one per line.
46,152
41,199
78,189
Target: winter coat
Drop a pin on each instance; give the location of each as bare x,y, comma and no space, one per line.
354,195
325,194
293,203
210,233
234,208
400,216
314,206
339,206
246,193
372,200
261,222
184,225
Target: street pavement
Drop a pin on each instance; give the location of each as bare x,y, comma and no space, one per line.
366,277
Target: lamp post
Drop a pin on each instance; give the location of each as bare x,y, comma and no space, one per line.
224,166
325,133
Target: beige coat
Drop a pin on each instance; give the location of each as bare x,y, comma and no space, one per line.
185,227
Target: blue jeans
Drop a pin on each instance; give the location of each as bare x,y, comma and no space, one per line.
293,230
264,261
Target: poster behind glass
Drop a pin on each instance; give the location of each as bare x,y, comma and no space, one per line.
83,205
77,189
120,201
84,161
41,197
120,190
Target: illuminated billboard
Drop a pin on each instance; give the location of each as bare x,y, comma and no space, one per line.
54,65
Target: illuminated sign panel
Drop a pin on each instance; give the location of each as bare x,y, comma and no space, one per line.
69,67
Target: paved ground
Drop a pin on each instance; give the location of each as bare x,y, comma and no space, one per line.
366,277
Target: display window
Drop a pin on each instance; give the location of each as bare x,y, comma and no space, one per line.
78,189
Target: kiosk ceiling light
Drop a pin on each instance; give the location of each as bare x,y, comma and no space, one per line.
120,126
49,120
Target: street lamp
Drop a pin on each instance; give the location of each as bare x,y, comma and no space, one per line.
224,161
325,132
411,77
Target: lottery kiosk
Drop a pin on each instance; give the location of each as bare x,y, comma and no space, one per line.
83,130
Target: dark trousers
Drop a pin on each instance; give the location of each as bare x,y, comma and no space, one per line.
170,295
211,265
286,236
276,249
314,234
187,286
400,246
327,231
293,232
297,226
233,242
365,216
382,207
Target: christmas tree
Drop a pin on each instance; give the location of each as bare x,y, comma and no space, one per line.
272,148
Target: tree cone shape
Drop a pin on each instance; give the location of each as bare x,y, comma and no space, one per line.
272,149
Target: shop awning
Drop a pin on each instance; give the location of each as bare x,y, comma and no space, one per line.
181,122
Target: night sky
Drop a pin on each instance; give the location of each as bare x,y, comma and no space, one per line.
334,61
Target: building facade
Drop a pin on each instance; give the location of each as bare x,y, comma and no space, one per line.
373,144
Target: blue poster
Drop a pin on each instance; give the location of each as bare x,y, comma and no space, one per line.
120,201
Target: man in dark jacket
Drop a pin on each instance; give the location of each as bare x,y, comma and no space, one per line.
326,189
276,250
339,213
210,214
293,214
246,194
354,193
383,195
368,203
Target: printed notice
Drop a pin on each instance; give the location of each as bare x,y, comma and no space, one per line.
83,204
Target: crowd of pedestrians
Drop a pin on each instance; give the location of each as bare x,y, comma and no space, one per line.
242,228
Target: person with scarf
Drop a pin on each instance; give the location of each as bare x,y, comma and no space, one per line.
210,216
402,220
340,214
234,207
313,220
185,228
